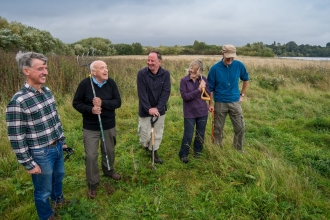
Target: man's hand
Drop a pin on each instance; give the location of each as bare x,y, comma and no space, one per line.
154,112
35,170
97,101
96,110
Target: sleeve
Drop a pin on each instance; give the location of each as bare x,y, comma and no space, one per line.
143,91
244,75
17,128
165,94
115,101
80,97
211,79
185,94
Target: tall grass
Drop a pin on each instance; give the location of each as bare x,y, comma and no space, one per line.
283,174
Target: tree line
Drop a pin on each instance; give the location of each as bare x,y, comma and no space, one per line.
15,36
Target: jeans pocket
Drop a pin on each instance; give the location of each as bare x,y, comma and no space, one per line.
39,153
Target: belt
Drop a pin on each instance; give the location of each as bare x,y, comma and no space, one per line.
55,142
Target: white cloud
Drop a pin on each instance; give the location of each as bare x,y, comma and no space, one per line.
171,22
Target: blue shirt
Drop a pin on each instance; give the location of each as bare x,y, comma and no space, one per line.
224,80
97,83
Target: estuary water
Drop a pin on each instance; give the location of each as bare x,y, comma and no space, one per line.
306,58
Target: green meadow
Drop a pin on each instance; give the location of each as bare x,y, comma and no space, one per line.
284,172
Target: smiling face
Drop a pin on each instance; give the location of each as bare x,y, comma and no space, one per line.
228,60
36,74
194,72
153,62
100,71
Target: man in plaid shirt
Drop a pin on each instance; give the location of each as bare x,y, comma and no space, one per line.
36,134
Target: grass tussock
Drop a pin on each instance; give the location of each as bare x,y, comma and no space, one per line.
283,173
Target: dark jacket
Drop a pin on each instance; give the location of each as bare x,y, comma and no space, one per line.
83,103
153,90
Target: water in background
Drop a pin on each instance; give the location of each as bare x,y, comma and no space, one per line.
307,58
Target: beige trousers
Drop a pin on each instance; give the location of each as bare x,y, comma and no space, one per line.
144,130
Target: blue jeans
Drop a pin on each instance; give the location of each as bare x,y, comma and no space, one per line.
189,125
49,182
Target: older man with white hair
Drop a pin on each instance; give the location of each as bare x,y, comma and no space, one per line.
106,101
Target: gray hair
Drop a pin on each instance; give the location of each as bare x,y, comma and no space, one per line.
198,64
91,66
24,59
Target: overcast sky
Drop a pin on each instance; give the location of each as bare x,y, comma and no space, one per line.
177,22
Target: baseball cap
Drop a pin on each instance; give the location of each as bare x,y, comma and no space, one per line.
228,51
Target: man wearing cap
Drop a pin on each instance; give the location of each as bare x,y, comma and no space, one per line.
223,80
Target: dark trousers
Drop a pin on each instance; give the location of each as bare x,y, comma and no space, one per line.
189,127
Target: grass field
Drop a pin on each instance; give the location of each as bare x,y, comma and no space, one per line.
283,174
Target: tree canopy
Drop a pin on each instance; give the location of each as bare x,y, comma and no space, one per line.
15,36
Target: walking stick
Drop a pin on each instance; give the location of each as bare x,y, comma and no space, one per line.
87,64
204,95
152,122
101,127
212,126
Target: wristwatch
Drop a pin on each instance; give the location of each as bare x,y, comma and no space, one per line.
242,95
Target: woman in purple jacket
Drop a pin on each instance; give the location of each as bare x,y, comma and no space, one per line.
195,109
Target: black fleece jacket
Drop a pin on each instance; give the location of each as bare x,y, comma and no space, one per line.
153,90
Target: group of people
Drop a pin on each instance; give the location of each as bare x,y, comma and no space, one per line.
36,133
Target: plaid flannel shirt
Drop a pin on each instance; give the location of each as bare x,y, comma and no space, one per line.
33,122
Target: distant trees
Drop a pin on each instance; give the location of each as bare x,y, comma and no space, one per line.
99,46
104,47
255,49
291,49
15,36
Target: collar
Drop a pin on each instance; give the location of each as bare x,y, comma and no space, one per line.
97,83
32,89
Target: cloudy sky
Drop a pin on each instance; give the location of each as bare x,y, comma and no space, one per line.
177,22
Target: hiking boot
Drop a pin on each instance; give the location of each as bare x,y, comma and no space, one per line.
145,146
197,155
184,159
58,205
91,193
115,176
156,158
52,217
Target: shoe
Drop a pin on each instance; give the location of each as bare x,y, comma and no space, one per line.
115,176
91,193
145,146
184,159
156,158
58,205
197,155
52,217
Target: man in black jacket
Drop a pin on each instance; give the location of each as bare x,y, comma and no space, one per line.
104,104
154,87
